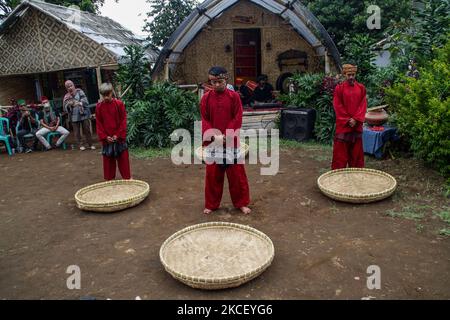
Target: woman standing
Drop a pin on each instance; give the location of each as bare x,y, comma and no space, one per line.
112,132
76,105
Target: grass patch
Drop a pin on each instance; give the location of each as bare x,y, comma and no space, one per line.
409,212
152,153
444,214
445,232
308,145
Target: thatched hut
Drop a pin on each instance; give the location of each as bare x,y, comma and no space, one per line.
42,45
248,37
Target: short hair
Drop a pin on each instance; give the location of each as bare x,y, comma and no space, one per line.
262,77
106,89
218,72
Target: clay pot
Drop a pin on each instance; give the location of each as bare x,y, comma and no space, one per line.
377,117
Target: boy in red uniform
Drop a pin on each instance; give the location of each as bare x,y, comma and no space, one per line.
111,123
350,105
221,109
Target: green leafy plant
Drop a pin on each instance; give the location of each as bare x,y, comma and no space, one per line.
163,109
422,110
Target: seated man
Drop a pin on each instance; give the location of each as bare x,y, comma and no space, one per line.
27,125
50,121
244,92
264,90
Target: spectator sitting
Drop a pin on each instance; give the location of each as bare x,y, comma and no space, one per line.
50,121
27,125
244,92
13,115
264,90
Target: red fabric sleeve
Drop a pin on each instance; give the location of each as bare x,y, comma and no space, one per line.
360,115
236,122
342,117
122,131
205,114
99,123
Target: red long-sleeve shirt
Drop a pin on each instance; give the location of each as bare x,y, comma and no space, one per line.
111,120
222,111
350,102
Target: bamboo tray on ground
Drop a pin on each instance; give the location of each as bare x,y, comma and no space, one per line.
200,151
217,255
357,185
112,196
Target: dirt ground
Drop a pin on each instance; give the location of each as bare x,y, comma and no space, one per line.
322,248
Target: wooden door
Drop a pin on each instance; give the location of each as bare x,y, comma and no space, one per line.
247,53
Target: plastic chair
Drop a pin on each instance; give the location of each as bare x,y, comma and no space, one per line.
5,135
29,135
51,135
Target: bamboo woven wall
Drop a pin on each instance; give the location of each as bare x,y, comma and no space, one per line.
208,48
39,43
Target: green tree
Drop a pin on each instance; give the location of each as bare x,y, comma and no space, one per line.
358,51
428,27
134,75
349,17
164,18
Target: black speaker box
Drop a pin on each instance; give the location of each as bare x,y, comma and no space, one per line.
298,124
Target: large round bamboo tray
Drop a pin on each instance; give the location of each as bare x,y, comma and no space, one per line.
357,185
217,255
112,196
200,151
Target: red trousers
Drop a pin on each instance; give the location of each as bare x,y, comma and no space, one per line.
109,167
349,154
237,181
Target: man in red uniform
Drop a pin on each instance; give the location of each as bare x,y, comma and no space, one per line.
111,123
221,109
350,105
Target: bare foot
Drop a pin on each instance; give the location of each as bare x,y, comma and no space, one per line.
246,210
207,212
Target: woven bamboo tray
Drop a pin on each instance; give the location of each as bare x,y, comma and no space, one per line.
200,152
217,255
357,185
112,196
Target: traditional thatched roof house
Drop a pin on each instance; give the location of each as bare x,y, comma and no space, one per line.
248,37
42,44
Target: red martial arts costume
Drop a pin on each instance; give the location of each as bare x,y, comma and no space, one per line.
349,102
112,121
222,111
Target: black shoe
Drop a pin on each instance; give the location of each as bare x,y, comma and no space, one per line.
28,150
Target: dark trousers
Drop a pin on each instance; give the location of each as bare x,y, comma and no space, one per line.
22,133
86,131
123,162
349,154
237,183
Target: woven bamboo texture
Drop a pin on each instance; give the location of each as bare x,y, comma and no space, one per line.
112,196
217,255
200,151
357,185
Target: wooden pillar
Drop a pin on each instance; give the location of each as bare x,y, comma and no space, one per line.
166,70
99,78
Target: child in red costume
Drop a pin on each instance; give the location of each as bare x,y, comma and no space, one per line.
111,121
221,109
